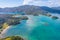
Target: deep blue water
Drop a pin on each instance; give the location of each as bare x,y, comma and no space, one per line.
36,28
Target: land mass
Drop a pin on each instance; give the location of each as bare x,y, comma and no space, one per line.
9,19
31,9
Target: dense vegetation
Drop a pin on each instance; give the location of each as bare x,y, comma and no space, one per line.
12,38
54,17
9,19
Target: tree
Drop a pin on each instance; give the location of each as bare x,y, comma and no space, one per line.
8,39
5,25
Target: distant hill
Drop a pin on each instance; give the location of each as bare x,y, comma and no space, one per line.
56,8
51,10
30,9
27,9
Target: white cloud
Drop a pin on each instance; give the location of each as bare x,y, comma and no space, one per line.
27,2
49,3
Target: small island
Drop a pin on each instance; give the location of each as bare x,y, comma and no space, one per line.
55,17
49,15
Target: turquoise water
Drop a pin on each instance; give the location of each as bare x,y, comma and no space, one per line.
36,28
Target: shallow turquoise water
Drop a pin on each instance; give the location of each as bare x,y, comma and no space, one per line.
36,28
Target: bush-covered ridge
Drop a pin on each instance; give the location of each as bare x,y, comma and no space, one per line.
9,19
12,38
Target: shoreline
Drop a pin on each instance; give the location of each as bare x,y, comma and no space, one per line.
4,30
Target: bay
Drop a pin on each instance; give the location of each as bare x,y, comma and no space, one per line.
36,28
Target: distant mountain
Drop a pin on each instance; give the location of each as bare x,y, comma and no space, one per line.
56,8
51,10
30,9
27,9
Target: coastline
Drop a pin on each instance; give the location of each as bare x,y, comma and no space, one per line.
1,35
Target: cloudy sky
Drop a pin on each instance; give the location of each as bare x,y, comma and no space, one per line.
13,3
